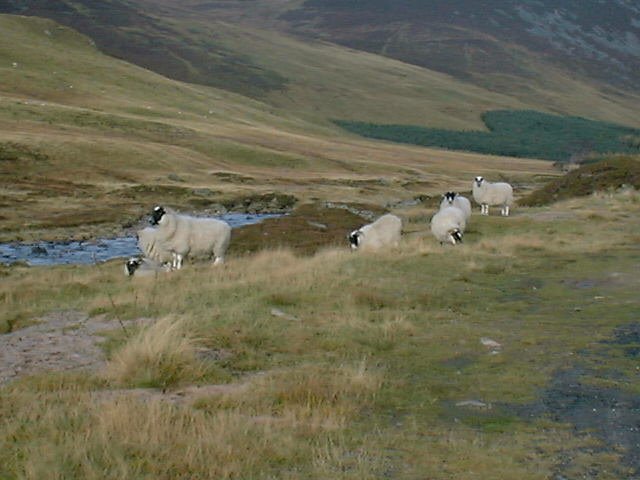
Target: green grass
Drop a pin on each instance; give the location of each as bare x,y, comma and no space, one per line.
362,374
526,134
609,174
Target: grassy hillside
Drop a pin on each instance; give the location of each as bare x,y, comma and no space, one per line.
470,39
248,48
122,30
526,134
97,141
606,175
509,50
504,357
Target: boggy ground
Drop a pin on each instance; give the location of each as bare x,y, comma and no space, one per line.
483,361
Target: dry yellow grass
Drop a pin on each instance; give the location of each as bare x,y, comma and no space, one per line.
160,356
358,378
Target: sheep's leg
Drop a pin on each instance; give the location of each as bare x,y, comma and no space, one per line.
218,261
506,210
485,209
178,261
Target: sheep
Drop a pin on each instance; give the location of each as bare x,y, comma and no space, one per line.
151,247
487,193
143,267
453,199
183,236
385,231
448,225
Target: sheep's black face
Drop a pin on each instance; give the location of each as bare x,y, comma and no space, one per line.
132,265
479,181
354,238
456,236
450,196
157,215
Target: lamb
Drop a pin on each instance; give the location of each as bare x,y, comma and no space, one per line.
487,193
143,267
448,225
184,236
151,247
384,232
453,199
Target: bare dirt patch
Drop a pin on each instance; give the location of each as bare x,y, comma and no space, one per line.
65,340
610,413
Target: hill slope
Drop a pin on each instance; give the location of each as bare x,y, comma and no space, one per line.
277,51
87,140
468,38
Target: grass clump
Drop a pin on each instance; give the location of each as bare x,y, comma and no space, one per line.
160,356
609,174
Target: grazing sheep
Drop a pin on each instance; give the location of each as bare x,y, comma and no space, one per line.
143,267
487,193
453,199
184,236
448,225
151,247
385,231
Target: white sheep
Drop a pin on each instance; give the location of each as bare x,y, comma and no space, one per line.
143,267
453,199
448,225
487,193
184,236
385,231
151,247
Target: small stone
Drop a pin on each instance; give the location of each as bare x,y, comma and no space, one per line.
473,404
39,250
321,226
488,342
276,312
174,177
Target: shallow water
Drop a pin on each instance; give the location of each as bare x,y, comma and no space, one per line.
99,250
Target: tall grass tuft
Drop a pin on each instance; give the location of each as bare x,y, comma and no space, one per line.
161,356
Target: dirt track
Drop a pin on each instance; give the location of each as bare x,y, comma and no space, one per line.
60,341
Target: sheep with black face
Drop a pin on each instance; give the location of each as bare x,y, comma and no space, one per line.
186,236
384,232
448,225
143,267
487,194
453,199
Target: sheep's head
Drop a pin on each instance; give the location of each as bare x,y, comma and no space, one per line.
455,236
479,181
157,214
354,238
132,265
449,197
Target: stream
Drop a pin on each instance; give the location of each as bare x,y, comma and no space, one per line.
97,250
